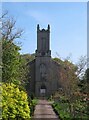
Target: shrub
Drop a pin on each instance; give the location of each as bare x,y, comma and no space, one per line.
32,104
14,103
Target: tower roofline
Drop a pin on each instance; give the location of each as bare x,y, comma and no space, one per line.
41,30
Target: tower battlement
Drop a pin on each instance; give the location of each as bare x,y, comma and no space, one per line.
43,30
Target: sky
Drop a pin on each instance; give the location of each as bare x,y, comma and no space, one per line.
45,0
68,24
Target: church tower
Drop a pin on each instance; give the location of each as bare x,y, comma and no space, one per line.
42,57
43,42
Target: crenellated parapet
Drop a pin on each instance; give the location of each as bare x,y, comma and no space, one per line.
43,30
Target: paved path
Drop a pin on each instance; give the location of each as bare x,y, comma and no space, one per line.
44,110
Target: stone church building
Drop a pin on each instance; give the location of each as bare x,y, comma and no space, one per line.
44,79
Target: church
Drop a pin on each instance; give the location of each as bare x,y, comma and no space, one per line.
44,77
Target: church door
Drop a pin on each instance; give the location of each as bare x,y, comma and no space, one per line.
43,91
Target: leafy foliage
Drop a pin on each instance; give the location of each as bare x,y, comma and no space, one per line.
58,60
11,62
67,77
87,75
24,68
71,102
84,82
28,57
13,66
32,104
11,56
14,102
63,110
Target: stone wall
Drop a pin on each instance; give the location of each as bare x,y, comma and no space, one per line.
51,77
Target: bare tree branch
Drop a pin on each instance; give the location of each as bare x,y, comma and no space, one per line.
8,30
3,15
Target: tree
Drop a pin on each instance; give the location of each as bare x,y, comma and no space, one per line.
8,30
82,66
0,60
84,83
66,75
68,80
11,61
25,68
82,73
86,75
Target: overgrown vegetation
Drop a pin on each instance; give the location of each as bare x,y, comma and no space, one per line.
65,114
71,101
14,103
32,104
11,62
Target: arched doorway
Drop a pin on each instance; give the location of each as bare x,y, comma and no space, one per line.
43,90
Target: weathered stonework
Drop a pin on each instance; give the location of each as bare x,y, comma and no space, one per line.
44,79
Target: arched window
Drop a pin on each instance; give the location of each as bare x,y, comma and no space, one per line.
42,68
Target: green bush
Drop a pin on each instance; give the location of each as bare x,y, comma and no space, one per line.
80,111
32,104
14,103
